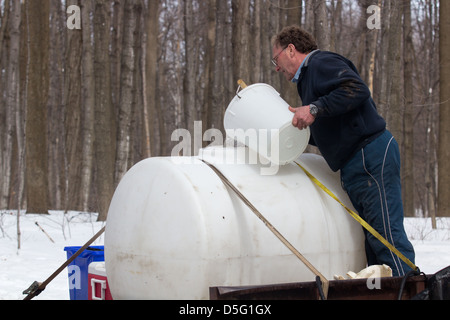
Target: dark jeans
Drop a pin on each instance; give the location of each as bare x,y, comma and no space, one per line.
372,181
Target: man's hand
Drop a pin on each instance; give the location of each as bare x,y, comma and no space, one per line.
302,117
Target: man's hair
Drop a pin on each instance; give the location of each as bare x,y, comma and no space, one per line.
303,41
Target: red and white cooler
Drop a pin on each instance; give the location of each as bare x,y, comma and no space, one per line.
98,283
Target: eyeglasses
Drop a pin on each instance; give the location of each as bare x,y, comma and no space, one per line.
275,59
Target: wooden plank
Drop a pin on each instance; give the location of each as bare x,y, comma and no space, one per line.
353,289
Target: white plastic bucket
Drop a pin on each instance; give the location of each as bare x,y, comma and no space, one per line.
260,119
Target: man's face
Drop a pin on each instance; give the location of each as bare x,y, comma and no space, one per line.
283,62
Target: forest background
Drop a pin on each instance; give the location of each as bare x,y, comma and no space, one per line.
91,87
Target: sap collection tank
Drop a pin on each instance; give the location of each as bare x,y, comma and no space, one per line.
174,229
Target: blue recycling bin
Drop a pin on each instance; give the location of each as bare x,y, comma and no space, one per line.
78,269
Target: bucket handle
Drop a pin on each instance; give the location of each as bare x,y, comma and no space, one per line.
242,85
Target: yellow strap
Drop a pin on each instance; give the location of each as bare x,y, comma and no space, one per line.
360,220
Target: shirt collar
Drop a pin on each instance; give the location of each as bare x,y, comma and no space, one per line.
299,71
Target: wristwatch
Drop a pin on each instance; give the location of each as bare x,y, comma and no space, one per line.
313,109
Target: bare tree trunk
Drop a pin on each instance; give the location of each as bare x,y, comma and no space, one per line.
430,117
12,101
321,28
210,55
444,111
371,45
256,74
395,115
154,119
104,115
21,110
55,109
20,120
145,96
218,77
430,168
363,49
191,56
309,16
4,15
294,12
336,21
128,81
241,40
408,158
4,23
88,97
72,121
116,49
272,27
381,93
136,123
294,16
37,95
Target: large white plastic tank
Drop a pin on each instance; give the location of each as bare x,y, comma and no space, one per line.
174,229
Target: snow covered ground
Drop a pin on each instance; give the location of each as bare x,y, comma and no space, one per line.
38,257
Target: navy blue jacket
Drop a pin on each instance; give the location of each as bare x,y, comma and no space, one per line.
347,119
